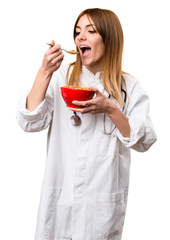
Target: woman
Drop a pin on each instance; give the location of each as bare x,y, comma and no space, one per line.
85,187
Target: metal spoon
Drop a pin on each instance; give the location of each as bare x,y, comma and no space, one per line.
71,52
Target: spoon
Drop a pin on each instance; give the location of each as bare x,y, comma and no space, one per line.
71,52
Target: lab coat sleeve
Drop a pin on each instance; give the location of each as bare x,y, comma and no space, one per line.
40,118
142,134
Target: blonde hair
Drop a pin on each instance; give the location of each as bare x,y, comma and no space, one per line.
109,27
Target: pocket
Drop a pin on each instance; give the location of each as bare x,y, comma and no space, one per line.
109,215
46,212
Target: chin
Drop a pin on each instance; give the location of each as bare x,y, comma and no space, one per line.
87,63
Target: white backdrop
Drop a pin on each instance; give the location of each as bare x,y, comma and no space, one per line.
26,26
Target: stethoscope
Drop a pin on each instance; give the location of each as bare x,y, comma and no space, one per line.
76,120
104,117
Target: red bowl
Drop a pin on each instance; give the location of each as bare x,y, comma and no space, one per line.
75,94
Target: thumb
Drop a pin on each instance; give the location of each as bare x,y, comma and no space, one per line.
52,44
94,89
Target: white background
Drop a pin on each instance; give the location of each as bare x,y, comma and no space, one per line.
26,26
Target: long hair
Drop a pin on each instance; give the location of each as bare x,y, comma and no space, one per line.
109,27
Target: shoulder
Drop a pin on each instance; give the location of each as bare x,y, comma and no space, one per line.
132,84
130,80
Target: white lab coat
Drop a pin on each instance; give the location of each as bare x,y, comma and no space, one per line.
85,186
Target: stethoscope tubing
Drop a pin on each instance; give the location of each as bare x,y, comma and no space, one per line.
104,117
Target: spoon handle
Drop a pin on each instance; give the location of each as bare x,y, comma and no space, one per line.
51,45
71,52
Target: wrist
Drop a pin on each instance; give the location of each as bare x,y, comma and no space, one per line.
44,73
111,107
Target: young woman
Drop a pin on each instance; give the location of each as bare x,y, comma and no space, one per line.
85,186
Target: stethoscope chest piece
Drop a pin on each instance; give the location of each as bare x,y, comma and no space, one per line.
75,119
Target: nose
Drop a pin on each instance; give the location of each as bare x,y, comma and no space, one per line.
81,36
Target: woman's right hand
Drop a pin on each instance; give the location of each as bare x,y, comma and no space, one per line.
52,59
51,62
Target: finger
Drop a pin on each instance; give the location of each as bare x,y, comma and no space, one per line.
52,53
83,103
84,110
57,59
51,44
57,62
75,109
94,89
52,56
81,110
78,103
54,49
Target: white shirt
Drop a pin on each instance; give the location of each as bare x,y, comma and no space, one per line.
85,186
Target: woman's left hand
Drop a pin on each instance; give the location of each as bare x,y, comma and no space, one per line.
99,104
102,104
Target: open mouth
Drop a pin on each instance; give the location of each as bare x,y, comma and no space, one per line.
85,50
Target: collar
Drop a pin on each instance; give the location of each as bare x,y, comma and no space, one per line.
87,72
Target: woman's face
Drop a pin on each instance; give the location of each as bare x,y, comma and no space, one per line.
90,44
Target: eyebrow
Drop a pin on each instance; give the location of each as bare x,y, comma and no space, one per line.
88,25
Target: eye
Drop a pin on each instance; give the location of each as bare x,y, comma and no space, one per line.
92,31
77,33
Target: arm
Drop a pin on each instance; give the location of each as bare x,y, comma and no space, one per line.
134,129
142,134
51,62
36,108
118,118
